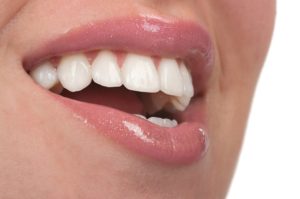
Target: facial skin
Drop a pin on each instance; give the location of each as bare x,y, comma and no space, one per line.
45,154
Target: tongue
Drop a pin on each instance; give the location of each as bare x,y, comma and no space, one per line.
118,98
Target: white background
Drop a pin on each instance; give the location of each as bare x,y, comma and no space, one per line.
269,166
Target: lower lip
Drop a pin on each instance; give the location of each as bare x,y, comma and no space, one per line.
184,144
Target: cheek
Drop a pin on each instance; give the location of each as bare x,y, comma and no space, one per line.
247,21
242,30
7,14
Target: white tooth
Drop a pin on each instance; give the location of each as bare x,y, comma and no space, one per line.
156,120
163,122
170,123
181,103
188,88
106,71
140,116
139,74
45,75
170,78
74,72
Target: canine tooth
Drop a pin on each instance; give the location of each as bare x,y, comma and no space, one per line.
106,71
170,77
180,103
188,88
163,122
45,75
139,74
74,72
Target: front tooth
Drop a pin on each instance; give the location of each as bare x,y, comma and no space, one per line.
163,122
139,74
106,71
188,88
74,72
45,75
170,78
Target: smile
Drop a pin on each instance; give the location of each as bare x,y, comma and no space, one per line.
140,81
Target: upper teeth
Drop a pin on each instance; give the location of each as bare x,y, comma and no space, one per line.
106,71
170,78
74,72
137,73
45,75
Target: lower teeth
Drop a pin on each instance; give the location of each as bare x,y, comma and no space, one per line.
160,121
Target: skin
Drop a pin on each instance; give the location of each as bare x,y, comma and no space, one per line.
41,158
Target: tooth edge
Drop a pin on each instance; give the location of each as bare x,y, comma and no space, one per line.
132,70
171,81
109,75
69,76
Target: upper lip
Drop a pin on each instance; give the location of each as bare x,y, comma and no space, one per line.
186,40
178,39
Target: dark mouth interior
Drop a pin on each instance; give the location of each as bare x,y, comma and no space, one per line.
119,98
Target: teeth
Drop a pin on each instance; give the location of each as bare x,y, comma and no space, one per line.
180,103
188,88
74,72
45,75
159,121
163,122
140,116
139,74
170,78
106,71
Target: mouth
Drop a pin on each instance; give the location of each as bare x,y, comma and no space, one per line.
140,81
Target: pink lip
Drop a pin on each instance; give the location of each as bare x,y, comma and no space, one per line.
181,145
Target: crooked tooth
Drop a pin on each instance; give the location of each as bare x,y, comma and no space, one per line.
170,78
188,88
74,72
180,103
163,122
106,71
139,74
45,75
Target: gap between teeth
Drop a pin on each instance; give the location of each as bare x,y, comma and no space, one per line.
137,73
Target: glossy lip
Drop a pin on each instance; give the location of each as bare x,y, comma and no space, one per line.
184,144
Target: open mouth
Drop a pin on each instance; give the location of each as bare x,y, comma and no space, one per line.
151,88
151,99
